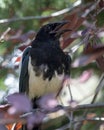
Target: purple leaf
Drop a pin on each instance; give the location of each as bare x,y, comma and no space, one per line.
20,103
47,102
35,119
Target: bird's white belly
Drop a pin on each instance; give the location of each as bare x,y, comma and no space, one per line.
38,86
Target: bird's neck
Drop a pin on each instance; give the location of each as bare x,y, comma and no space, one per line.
43,36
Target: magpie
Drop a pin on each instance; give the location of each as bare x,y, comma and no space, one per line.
44,64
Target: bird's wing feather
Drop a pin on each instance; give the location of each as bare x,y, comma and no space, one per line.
24,77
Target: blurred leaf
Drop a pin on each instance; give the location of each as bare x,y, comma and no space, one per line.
100,62
19,38
100,19
16,100
74,23
72,18
48,102
88,58
18,126
90,49
35,120
91,52
101,3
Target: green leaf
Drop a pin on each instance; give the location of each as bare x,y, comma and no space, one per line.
100,19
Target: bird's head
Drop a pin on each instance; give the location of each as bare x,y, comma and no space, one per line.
52,30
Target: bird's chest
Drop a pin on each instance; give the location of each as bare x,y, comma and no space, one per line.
39,86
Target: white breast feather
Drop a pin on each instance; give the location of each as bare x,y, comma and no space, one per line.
39,87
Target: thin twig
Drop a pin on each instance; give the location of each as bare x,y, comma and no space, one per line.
90,9
4,34
95,119
68,109
99,87
69,88
86,106
58,13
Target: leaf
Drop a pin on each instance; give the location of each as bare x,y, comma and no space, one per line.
9,113
101,3
72,18
5,118
20,104
74,23
89,49
100,19
88,58
18,38
17,126
100,62
48,102
35,120
9,126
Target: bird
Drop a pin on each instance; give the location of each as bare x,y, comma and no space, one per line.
44,64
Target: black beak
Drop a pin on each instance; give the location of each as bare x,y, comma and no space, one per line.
61,24
58,31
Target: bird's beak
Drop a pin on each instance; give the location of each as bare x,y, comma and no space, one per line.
58,31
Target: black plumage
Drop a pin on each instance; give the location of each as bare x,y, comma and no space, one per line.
44,64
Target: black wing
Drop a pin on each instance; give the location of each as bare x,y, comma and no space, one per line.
24,76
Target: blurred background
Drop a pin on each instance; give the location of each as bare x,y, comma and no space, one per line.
19,22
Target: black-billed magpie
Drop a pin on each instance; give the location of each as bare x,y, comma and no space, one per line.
44,64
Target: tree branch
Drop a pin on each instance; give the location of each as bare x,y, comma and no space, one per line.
58,13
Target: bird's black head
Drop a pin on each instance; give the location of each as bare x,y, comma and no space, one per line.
51,31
